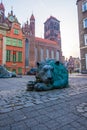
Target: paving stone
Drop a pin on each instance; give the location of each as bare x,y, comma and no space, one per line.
3,116
19,126
68,127
28,104
84,114
32,114
5,128
31,122
77,125
83,121
42,119
52,124
6,122
39,127
17,115
5,110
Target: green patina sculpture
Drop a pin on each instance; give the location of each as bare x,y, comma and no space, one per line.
4,73
51,74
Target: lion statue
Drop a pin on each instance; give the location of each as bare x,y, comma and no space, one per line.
51,74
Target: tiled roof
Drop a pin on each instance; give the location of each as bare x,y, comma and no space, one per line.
45,40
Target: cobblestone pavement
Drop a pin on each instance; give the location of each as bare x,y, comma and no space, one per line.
60,109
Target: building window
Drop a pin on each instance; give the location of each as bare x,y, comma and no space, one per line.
57,55
85,39
41,54
86,60
36,54
19,43
19,70
14,56
84,6
26,52
8,41
47,53
13,42
85,23
19,56
52,54
16,31
8,55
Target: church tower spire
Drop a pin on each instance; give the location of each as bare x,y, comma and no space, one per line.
2,12
32,24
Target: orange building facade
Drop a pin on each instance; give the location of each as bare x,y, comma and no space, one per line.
11,42
15,48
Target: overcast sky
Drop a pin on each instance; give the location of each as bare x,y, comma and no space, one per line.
64,10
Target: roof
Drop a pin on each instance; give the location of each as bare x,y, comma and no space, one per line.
32,17
45,40
51,17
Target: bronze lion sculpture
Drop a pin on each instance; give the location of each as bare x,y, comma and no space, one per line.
51,74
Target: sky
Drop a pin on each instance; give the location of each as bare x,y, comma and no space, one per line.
64,10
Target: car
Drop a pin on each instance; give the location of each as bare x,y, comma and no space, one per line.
77,70
32,71
12,74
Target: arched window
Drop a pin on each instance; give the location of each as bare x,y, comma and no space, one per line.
84,6
47,54
85,23
42,54
36,54
26,52
52,54
57,55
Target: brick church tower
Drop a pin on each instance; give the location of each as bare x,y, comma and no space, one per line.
52,31
32,25
2,12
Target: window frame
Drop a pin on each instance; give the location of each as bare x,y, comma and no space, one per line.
47,53
84,22
19,56
57,55
8,55
16,31
52,54
85,39
86,60
41,54
84,6
14,56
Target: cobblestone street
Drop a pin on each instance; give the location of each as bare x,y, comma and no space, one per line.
60,109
